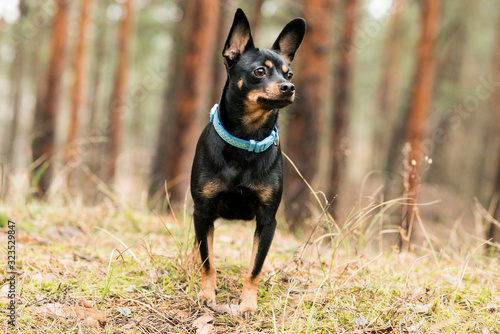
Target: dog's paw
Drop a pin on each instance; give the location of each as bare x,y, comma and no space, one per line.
205,299
248,314
248,309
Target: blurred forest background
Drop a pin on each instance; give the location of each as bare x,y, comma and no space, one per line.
104,100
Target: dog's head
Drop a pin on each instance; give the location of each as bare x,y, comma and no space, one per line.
262,76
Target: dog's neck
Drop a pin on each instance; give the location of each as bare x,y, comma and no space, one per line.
231,116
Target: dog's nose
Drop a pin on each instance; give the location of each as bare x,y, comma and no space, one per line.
287,88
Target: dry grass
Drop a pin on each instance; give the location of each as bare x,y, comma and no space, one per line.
115,270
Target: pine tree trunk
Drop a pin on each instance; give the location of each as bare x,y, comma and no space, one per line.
80,78
17,76
219,70
118,103
493,232
449,69
158,176
256,17
98,63
47,103
420,105
385,121
95,147
306,113
191,95
341,100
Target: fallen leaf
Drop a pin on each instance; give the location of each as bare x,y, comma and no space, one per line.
485,330
361,321
423,308
44,277
130,288
202,324
4,293
178,313
59,232
83,312
93,317
125,311
84,303
232,309
53,309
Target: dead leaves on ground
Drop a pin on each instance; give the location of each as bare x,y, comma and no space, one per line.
230,309
203,324
91,316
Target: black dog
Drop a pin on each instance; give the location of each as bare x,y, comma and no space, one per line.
237,170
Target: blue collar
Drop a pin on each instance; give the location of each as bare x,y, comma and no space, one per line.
248,145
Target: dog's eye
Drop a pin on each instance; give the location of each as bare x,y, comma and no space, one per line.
260,72
289,75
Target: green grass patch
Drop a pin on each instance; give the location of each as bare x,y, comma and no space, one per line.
136,269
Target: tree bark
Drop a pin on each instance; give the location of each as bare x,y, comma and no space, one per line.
385,121
219,70
99,56
17,76
47,103
256,17
306,113
80,77
191,95
493,232
449,69
338,139
95,147
156,191
118,103
158,175
420,104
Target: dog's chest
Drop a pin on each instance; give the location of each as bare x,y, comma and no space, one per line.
246,173
238,176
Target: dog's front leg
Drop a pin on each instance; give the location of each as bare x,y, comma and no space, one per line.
263,238
204,230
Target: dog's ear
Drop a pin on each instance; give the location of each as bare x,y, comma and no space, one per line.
290,38
239,39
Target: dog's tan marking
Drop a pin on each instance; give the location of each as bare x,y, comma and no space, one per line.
269,63
264,192
240,84
248,304
254,95
212,188
255,116
206,295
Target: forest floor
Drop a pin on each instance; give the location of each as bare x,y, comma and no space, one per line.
116,270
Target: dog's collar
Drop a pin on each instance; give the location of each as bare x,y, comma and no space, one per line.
248,145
